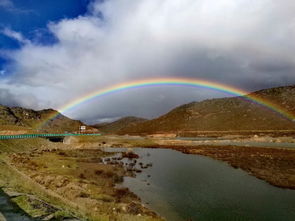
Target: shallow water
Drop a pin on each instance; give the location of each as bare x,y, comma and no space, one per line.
10,211
183,187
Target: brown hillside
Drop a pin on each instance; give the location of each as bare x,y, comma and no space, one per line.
27,118
120,124
224,114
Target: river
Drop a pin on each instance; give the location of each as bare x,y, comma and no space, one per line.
180,187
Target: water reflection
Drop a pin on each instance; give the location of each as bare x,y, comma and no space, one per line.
182,187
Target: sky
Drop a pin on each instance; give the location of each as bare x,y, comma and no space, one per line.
53,52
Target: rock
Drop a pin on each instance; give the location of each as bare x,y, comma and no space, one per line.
2,218
50,217
124,209
134,208
129,155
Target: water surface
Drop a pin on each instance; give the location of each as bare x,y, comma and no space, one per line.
181,187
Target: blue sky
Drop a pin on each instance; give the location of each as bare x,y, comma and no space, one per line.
30,17
55,51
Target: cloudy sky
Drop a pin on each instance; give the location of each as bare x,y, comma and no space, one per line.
52,51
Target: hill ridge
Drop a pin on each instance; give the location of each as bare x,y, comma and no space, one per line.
119,124
29,118
223,114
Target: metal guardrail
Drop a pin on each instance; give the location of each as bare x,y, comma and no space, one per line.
25,136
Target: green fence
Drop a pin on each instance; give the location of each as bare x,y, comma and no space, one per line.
25,136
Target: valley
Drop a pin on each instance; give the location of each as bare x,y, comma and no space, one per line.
132,169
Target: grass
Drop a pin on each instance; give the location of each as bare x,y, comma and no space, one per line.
23,145
19,182
114,140
32,207
15,128
10,178
72,180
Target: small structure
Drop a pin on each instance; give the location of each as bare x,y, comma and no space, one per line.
82,129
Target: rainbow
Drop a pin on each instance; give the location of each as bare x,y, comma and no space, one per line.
172,82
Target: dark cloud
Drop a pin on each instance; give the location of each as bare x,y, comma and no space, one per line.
7,98
275,66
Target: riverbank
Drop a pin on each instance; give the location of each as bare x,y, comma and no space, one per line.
75,181
271,159
75,178
273,163
184,187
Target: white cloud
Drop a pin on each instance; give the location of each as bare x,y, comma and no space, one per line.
230,41
6,3
15,35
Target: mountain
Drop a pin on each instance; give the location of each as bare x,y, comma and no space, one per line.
12,117
223,114
120,124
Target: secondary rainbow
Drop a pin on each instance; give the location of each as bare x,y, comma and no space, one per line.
186,82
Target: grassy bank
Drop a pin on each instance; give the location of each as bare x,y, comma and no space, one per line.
111,141
72,181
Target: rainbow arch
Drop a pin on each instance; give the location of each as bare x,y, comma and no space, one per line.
172,82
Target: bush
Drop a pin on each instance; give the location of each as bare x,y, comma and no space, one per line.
82,176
